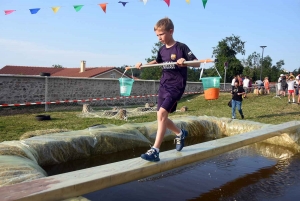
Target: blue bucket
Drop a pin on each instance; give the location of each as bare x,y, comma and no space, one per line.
125,86
211,82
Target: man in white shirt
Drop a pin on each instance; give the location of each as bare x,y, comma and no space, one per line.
246,85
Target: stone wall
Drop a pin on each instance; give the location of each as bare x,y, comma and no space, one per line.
21,89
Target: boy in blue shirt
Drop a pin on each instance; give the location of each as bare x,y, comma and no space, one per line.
172,84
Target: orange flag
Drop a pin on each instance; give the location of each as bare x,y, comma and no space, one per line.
103,6
167,2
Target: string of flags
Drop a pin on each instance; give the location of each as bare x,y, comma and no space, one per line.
77,8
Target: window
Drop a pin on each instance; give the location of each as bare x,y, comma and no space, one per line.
113,75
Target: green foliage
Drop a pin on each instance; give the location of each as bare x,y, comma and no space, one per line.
57,66
152,73
226,51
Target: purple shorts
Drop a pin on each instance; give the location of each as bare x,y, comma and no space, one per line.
168,103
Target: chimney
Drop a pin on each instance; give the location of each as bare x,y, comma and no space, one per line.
82,66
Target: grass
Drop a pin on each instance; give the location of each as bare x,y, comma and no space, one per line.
264,109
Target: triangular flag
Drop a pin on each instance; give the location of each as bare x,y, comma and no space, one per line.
122,2
78,7
7,12
34,10
103,6
55,9
145,1
188,1
168,2
204,3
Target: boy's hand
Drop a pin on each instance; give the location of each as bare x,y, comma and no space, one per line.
138,65
180,62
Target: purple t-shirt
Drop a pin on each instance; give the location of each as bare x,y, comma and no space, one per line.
173,79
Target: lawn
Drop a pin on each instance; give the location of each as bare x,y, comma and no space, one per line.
263,108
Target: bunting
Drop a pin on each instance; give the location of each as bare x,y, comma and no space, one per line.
77,8
103,6
34,10
55,9
204,3
7,12
167,2
122,2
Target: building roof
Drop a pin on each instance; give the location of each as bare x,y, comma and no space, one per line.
58,72
27,70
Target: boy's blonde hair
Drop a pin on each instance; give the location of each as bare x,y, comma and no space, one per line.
165,24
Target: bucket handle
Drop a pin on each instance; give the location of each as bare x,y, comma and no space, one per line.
201,73
125,72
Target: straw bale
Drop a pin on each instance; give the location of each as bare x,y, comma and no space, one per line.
116,139
17,148
30,134
14,169
61,147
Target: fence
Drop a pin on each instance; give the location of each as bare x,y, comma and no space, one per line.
36,93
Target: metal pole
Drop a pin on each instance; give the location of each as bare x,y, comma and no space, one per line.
262,60
225,79
46,93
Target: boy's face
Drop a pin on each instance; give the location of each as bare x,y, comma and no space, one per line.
163,35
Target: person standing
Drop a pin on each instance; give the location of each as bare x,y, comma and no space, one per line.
172,85
237,98
246,85
233,81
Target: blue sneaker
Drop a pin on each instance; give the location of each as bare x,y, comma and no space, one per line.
151,155
179,141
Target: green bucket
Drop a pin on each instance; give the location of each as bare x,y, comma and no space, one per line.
210,82
125,86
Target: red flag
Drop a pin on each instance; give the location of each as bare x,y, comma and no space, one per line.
7,12
103,6
167,2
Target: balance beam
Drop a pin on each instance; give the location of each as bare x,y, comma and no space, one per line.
88,180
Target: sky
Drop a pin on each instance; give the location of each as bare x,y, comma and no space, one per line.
125,36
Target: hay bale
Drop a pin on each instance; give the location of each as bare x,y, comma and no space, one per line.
30,134
110,113
122,114
184,109
17,148
14,169
147,105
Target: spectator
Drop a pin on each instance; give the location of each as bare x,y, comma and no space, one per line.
291,89
283,84
279,85
246,85
237,93
267,85
239,78
232,82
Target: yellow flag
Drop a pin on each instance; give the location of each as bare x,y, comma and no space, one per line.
188,1
55,9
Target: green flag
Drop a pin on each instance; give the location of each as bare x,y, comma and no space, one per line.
78,7
204,3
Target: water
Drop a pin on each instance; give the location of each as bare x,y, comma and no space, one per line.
256,172
243,174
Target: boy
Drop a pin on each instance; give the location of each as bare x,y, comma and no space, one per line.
172,84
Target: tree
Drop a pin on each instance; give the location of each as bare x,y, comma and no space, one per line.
57,66
226,51
152,73
133,71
